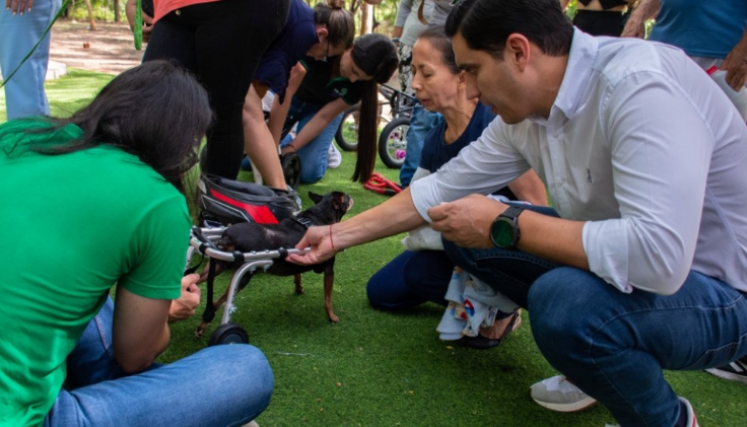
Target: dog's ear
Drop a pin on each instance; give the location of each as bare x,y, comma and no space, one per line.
338,201
316,198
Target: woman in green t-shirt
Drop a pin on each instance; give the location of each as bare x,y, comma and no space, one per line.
96,200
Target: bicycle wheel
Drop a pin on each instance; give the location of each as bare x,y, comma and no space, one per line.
393,142
347,134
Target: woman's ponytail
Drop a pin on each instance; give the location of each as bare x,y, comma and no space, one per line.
338,20
376,56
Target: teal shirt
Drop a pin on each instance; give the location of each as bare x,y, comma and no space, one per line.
708,29
71,226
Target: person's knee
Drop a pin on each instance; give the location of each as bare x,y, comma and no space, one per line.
312,175
246,372
311,178
558,309
376,297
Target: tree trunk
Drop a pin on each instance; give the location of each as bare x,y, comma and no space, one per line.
90,16
366,18
116,10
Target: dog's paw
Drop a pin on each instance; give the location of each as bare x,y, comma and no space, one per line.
200,331
333,318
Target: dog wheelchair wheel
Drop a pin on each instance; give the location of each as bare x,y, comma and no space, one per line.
229,333
291,165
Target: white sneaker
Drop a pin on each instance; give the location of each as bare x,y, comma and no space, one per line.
334,158
558,394
251,424
691,420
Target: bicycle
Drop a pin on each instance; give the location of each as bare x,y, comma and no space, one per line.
392,142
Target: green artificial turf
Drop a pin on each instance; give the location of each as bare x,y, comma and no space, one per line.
378,369
69,93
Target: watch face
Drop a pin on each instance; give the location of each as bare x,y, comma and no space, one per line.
502,233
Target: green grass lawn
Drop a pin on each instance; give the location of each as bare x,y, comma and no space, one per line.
377,369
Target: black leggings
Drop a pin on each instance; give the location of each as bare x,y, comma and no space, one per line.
221,42
600,22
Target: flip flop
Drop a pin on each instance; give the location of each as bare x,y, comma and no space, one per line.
483,343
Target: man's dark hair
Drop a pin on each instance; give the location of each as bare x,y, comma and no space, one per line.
486,24
155,111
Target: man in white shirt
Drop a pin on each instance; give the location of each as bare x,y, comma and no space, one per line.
645,160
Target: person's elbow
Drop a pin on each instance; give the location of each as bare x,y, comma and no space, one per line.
134,358
663,272
665,284
130,365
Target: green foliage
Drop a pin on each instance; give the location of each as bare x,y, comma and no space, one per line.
103,10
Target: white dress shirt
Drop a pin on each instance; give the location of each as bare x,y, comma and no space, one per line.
640,144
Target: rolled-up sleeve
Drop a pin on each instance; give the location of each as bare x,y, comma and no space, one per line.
656,132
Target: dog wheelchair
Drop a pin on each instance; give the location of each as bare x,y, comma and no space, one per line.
202,241
224,202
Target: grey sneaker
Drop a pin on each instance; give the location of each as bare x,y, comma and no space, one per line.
734,371
691,420
558,394
334,158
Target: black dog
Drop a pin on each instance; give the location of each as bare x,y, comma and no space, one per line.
250,236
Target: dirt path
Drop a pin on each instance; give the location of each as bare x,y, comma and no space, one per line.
111,49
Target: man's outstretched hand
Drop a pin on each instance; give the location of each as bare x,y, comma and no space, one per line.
321,241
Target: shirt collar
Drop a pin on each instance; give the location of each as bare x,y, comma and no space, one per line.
581,59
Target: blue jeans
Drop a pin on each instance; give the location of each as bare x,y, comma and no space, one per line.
226,385
24,93
314,154
615,345
421,122
411,279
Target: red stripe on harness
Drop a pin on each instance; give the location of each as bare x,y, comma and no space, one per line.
260,214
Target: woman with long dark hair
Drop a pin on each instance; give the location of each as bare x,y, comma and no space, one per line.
328,88
96,200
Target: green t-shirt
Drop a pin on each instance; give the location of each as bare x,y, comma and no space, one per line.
71,226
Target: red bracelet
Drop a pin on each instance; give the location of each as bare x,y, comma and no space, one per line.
331,242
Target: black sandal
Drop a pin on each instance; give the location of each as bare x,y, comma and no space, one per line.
483,343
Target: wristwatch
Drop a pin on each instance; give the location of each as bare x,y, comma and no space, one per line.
504,232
